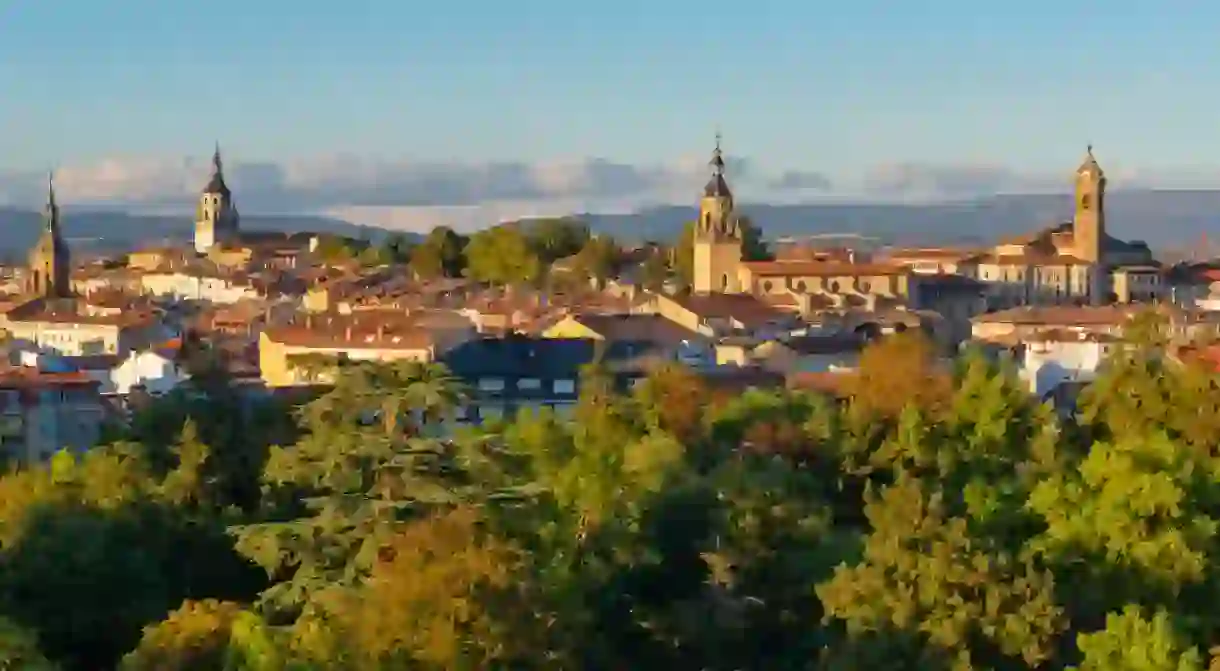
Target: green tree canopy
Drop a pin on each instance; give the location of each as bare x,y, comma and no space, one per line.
440,254
502,255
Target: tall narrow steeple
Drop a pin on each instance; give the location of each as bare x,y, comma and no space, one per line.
1089,218
51,210
216,185
49,262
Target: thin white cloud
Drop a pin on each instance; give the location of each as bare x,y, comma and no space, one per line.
407,194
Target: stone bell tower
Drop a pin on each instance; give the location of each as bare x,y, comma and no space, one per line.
718,237
216,219
48,274
1089,219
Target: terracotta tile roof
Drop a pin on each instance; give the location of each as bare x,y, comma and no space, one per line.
640,328
115,298
1064,335
930,253
1033,258
822,269
74,311
788,253
1058,315
352,332
747,309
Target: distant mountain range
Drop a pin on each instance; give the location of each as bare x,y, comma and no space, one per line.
1164,219
104,231
1160,218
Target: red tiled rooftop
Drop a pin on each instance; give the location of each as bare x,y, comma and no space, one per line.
822,268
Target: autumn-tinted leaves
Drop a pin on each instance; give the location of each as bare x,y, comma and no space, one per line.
930,517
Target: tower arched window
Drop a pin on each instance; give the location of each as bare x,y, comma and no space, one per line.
724,282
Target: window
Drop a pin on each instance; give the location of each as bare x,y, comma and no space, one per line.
724,282
565,386
801,287
834,286
491,384
767,286
529,383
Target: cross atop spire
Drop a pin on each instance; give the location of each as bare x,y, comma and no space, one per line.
717,162
716,186
217,168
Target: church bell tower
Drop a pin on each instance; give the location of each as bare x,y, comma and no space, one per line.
48,274
1089,219
718,238
216,219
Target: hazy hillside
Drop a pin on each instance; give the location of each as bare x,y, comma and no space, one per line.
1162,218
99,231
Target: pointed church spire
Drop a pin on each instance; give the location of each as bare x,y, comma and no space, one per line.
717,162
52,209
717,186
217,168
216,185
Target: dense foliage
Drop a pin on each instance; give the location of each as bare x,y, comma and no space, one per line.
559,250
940,519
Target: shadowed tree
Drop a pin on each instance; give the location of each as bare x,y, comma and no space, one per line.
440,254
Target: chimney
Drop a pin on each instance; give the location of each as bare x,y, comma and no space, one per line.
851,256
347,332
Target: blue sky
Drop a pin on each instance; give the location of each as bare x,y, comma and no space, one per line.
834,87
